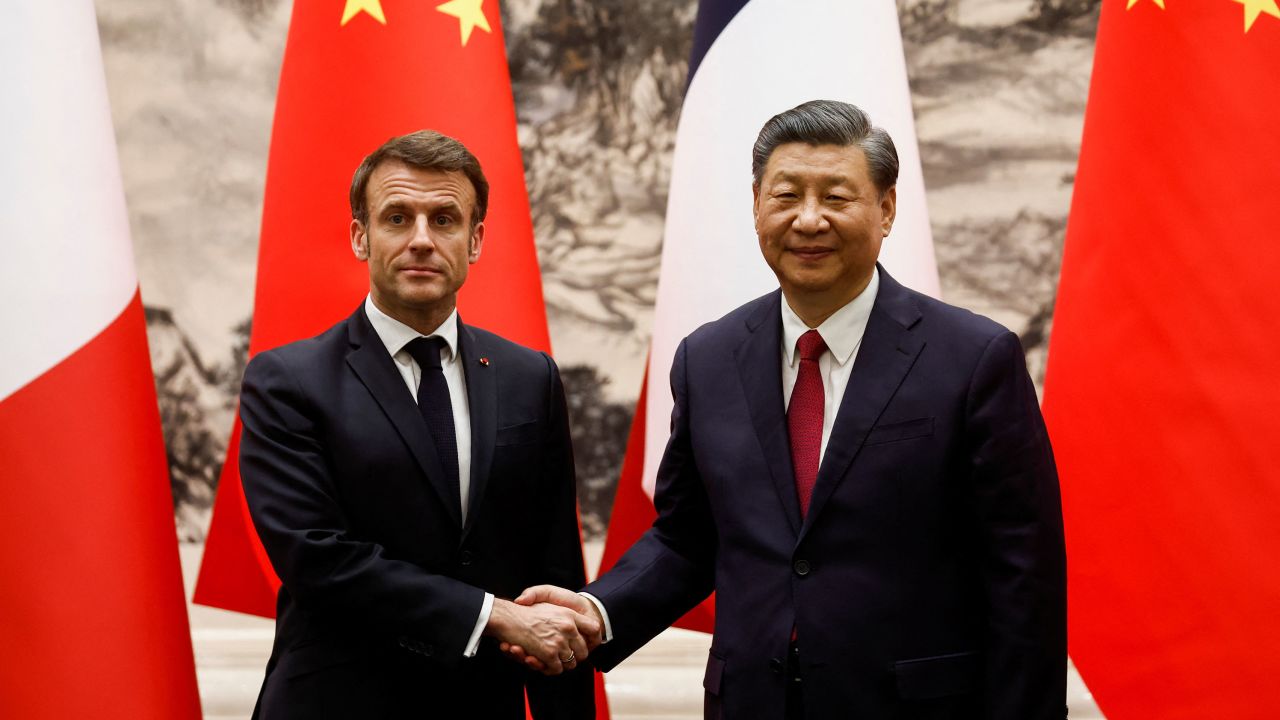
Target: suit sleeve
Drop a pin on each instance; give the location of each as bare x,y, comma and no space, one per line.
293,503
1019,514
671,568
570,696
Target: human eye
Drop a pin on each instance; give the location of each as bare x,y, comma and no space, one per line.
442,220
397,218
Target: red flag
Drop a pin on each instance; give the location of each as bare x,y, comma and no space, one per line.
355,73
633,513
93,623
1161,393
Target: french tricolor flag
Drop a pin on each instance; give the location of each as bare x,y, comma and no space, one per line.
753,59
92,617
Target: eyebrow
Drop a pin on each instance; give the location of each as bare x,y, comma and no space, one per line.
434,206
831,179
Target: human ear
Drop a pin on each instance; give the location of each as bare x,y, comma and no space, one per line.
359,240
888,209
475,243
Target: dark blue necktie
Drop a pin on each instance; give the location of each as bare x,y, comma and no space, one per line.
434,404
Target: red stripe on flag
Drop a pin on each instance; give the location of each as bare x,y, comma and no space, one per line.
633,513
235,572
92,618
602,698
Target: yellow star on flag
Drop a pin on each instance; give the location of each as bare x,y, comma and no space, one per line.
355,7
1159,3
1254,8
469,14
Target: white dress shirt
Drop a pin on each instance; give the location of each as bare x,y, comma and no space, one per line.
395,335
842,332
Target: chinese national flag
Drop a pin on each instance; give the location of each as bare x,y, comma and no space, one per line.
1161,392
356,73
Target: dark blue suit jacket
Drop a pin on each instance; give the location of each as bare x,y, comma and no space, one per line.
382,581
928,578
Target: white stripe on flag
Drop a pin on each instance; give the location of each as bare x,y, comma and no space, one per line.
773,55
67,269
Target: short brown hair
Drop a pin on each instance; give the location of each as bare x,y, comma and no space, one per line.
426,150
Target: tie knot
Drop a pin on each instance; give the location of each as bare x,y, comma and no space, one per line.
811,345
426,351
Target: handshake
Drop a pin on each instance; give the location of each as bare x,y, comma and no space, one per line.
549,629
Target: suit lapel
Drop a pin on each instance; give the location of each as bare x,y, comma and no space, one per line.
482,396
759,360
370,362
887,352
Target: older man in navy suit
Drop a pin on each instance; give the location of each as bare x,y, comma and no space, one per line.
860,473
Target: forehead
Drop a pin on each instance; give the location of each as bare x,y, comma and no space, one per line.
802,161
395,181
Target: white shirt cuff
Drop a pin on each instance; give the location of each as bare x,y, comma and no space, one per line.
604,615
486,609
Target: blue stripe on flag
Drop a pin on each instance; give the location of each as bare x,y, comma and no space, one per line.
713,15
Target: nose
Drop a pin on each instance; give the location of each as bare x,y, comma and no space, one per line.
810,219
420,239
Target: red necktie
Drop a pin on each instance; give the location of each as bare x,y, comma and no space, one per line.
804,417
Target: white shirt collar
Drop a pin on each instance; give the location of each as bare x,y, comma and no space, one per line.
395,334
842,332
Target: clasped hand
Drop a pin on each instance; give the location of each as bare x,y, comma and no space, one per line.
547,628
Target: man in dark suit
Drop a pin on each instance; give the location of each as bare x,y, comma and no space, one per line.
859,471
406,472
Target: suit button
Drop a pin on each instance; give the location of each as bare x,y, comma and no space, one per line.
428,650
803,568
465,557
776,665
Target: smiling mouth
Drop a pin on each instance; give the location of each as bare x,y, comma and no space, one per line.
811,252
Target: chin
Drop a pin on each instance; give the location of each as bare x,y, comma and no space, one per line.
413,300
811,284
422,291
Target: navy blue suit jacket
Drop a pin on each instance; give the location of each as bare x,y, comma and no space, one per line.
383,582
928,578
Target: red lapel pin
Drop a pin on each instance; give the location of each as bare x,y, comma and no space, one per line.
484,361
